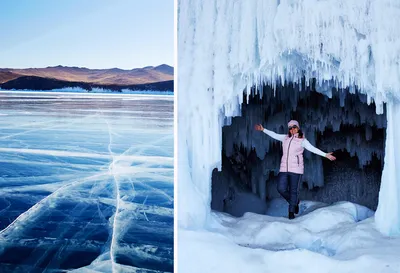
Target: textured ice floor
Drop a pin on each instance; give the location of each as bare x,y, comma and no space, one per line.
86,183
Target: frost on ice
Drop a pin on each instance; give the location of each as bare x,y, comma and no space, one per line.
227,48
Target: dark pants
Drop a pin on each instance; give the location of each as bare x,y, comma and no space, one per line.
288,187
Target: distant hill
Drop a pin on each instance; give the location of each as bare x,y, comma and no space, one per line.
100,76
166,69
7,76
39,83
63,75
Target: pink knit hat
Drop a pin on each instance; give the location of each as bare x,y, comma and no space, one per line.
293,122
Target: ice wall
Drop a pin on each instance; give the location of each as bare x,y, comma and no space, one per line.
226,46
387,215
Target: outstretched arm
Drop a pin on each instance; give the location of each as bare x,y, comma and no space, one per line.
307,145
272,134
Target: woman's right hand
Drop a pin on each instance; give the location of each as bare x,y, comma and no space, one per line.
330,156
259,127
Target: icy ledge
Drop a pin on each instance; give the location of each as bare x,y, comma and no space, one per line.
227,46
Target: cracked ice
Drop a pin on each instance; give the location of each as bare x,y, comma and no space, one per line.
86,184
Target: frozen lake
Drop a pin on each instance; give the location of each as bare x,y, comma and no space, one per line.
86,182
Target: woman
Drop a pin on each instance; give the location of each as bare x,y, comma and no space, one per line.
292,163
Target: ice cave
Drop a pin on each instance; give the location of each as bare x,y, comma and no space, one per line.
343,123
334,67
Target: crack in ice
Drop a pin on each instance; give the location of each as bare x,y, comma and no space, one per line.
33,209
111,171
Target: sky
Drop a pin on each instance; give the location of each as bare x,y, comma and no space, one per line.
99,34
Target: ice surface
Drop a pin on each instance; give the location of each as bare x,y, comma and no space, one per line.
97,91
86,182
226,47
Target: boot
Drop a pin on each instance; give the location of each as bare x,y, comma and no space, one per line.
297,209
291,215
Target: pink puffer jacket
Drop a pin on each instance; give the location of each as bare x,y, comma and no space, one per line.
292,158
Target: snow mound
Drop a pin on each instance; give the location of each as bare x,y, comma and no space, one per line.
321,239
316,230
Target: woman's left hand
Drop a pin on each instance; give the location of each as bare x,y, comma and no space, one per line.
330,156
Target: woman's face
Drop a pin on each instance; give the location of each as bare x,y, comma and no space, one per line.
294,129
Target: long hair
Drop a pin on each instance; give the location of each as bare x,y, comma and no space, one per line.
300,132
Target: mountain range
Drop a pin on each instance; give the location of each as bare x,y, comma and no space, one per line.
158,77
